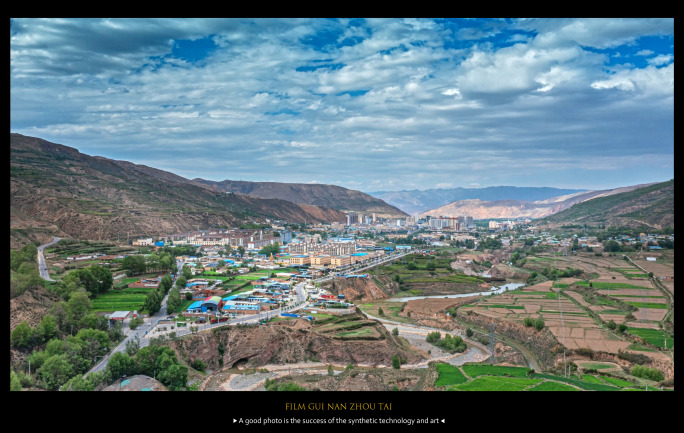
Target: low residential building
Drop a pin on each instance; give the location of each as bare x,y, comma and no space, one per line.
339,261
300,259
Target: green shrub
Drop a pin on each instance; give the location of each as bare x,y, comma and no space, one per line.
469,332
528,321
539,324
647,373
611,324
198,365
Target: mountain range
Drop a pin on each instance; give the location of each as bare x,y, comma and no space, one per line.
416,201
480,209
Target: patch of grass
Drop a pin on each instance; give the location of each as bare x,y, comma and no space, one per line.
552,386
449,375
640,347
490,383
474,370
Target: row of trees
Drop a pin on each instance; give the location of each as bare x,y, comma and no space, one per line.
157,262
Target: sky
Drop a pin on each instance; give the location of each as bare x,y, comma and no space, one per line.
368,104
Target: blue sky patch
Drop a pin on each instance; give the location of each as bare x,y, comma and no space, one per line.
193,51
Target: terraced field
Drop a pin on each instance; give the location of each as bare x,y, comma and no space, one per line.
484,377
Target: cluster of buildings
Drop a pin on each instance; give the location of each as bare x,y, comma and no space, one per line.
460,223
508,224
248,239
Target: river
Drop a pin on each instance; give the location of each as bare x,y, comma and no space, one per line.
494,290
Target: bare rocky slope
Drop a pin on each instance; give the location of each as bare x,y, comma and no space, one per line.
289,342
96,198
331,196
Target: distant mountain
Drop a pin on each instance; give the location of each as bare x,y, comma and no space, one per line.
98,198
415,201
331,196
480,209
648,206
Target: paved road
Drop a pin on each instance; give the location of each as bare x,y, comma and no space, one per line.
42,267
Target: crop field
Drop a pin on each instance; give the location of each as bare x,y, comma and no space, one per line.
110,302
617,382
474,370
489,383
598,365
552,386
449,375
587,386
655,337
591,379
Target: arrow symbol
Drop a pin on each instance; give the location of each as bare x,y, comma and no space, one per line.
442,421
234,420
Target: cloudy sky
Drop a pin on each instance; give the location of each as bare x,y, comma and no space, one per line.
368,104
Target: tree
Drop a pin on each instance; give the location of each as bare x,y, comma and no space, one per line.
186,272
15,384
430,266
331,372
120,364
469,332
166,283
241,250
47,328
134,265
539,324
174,301
132,346
135,322
79,305
380,312
56,370
396,363
21,335
181,282
153,302
103,278
395,331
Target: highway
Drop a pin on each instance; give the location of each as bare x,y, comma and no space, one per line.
357,270
42,267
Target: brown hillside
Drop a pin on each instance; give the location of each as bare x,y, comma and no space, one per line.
98,198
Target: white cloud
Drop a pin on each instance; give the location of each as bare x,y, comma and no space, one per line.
662,59
644,53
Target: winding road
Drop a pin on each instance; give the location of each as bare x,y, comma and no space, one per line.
42,267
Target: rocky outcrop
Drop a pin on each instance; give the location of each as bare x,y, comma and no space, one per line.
361,289
288,342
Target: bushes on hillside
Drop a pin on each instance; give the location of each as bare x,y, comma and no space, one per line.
647,373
